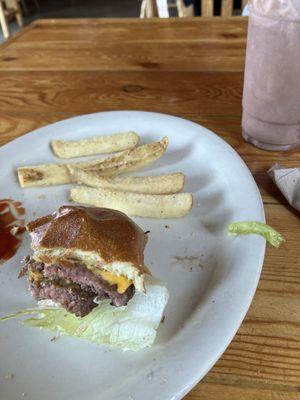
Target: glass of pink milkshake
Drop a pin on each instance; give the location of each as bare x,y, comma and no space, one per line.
271,97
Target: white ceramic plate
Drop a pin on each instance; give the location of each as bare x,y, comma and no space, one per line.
211,277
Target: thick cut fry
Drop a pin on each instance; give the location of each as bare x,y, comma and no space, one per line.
94,145
127,160
44,175
130,160
47,174
160,184
135,204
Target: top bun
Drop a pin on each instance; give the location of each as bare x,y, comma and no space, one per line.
97,237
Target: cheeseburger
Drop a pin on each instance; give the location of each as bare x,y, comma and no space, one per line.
82,256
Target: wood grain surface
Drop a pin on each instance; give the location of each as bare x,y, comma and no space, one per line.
55,69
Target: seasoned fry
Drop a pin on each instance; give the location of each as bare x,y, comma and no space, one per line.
94,145
44,175
160,184
47,174
127,160
136,204
130,160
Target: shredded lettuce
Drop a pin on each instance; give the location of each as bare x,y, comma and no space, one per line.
131,327
258,228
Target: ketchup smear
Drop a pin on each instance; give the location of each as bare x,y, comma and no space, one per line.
11,228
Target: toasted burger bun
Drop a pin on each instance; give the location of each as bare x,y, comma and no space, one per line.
99,238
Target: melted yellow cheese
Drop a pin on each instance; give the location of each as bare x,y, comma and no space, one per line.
121,281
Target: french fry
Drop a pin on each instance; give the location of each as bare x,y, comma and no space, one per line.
135,204
160,184
94,145
43,175
127,160
130,160
47,174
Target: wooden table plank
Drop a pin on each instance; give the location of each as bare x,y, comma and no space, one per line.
223,391
192,68
199,93
110,29
124,56
210,48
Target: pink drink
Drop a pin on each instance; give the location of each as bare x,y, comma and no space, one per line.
271,98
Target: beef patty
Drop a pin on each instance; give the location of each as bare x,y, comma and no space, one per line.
74,288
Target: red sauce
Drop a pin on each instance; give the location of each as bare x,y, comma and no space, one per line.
11,228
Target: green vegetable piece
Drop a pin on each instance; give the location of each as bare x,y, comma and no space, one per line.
258,228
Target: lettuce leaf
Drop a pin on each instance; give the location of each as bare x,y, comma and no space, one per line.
131,327
245,228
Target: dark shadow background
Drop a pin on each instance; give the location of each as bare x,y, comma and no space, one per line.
217,5
35,9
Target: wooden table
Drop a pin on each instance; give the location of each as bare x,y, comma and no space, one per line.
193,68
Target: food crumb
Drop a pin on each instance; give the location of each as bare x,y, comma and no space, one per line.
188,262
167,226
54,338
9,376
150,375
